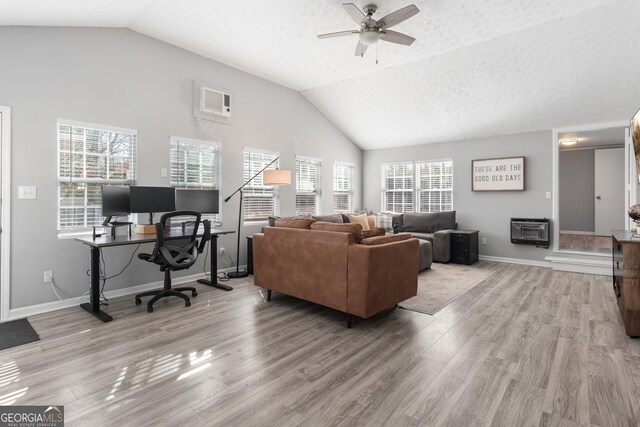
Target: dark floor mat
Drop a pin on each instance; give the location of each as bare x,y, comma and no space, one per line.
16,332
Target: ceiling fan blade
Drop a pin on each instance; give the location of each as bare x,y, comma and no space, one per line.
396,37
361,48
355,13
337,34
398,16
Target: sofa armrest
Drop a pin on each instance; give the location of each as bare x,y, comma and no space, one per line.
442,246
380,276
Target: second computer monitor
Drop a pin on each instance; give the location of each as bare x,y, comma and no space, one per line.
152,199
204,201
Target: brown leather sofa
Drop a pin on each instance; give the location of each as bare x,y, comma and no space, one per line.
331,269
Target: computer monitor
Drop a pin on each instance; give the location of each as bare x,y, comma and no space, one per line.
115,202
203,201
152,199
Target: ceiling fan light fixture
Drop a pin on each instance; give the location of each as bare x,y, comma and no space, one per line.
369,36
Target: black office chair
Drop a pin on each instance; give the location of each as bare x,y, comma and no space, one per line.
177,252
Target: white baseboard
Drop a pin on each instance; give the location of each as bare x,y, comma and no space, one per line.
600,266
22,312
520,261
587,233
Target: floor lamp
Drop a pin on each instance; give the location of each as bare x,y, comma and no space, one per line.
270,177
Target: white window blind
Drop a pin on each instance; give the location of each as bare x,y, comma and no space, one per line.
435,185
342,187
260,201
90,156
307,186
196,164
397,187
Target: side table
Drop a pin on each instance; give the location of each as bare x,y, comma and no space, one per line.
464,246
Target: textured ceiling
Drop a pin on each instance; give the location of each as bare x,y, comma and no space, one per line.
478,68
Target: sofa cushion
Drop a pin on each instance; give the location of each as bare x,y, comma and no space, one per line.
355,229
428,222
423,236
384,220
360,219
389,238
304,223
334,218
376,231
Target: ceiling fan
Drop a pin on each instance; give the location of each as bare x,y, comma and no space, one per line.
371,30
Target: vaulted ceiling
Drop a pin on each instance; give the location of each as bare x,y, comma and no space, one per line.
477,68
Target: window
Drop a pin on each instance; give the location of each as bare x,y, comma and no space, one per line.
307,186
342,187
397,187
432,192
90,156
435,185
196,164
260,201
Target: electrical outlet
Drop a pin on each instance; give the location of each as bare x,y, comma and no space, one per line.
47,276
548,194
484,240
163,172
223,251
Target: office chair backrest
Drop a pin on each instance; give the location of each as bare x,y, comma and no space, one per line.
176,246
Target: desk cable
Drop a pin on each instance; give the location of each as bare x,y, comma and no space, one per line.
222,277
104,300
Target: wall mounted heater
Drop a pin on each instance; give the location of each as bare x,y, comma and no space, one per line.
531,231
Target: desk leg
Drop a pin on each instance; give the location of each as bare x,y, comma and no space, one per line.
93,306
213,248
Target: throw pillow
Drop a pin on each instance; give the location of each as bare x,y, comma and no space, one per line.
389,238
354,229
377,231
304,223
360,219
384,220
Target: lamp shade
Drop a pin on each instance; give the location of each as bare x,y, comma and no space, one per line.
276,177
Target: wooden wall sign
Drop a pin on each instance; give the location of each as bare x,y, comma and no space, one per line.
503,174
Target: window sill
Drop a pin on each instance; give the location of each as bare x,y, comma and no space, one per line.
65,235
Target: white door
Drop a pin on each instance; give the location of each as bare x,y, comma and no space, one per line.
610,190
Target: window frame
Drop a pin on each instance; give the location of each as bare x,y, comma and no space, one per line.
133,160
216,219
417,185
386,192
419,190
317,193
351,167
253,184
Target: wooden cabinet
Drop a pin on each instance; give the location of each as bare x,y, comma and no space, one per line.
464,246
626,279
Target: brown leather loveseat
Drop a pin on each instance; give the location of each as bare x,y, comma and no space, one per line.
337,269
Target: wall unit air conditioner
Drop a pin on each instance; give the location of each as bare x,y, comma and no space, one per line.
211,103
215,102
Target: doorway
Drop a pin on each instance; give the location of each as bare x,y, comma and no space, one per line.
592,188
5,198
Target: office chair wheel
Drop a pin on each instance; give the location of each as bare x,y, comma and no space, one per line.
194,294
138,301
149,309
187,303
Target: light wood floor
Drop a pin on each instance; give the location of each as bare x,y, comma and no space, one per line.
528,346
585,243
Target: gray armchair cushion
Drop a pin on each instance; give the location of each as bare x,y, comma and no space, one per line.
428,222
334,218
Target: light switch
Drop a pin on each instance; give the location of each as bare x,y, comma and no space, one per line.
27,192
163,172
548,194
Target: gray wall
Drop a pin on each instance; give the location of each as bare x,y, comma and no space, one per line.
488,212
120,78
576,189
